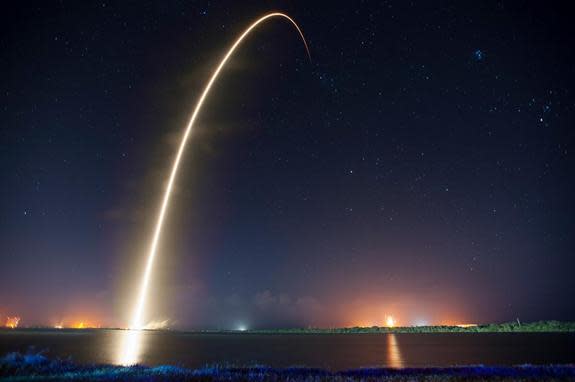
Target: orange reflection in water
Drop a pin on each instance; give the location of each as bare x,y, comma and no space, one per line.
394,358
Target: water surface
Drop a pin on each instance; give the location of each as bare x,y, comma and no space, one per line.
332,351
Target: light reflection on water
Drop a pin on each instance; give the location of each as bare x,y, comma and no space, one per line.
345,351
129,345
394,358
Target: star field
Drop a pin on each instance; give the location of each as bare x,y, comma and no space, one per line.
420,165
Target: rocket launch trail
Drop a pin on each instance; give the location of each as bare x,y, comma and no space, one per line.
129,351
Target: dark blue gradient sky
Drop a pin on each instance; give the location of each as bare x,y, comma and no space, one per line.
420,166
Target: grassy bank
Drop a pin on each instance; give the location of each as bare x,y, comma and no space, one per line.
17,367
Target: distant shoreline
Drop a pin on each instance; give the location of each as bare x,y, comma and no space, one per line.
510,327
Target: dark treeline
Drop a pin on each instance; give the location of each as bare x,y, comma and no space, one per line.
539,326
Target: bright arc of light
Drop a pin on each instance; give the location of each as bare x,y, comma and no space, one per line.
137,318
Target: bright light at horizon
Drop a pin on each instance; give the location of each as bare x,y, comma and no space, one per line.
466,325
82,325
421,322
241,328
389,321
12,322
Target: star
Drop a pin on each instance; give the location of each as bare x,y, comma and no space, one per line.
478,55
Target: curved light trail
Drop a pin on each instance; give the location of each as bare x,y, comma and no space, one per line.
129,351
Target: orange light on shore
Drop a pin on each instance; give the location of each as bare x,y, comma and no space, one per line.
12,322
389,321
466,325
58,325
84,325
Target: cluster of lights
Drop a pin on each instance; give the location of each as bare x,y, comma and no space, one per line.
76,325
466,325
390,321
12,322
85,325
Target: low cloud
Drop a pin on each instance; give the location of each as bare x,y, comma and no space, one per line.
304,309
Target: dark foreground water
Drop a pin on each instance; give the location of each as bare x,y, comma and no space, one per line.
331,351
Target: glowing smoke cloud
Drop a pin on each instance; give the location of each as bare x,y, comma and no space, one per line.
131,344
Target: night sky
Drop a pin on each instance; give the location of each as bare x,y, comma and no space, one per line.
420,166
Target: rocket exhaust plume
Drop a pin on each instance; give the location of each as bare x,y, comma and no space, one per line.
129,351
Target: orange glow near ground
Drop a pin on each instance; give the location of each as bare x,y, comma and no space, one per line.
366,314
79,323
12,322
84,325
466,325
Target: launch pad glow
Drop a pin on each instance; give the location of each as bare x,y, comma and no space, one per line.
130,349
